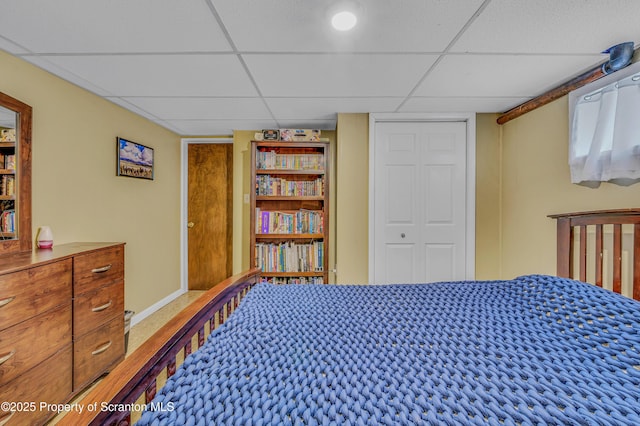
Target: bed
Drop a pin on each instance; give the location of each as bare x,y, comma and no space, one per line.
533,350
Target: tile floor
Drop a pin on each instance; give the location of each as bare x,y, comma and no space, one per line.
143,330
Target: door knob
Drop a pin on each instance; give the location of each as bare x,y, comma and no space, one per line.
190,225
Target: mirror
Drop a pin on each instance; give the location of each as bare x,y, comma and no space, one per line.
15,176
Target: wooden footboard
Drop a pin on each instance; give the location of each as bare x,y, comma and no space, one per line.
582,235
122,394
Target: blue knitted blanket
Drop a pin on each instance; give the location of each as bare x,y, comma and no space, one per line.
533,350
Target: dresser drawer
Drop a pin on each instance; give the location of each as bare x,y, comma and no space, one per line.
28,343
33,291
95,352
49,382
94,308
98,268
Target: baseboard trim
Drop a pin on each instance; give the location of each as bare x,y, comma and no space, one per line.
156,306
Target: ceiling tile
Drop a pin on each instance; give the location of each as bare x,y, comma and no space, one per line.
552,26
161,75
219,127
202,108
169,126
327,108
134,108
65,74
79,26
337,75
276,63
7,118
383,26
500,75
11,47
460,104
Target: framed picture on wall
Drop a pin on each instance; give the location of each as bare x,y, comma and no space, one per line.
134,159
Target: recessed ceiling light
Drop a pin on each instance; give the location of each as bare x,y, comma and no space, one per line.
344,20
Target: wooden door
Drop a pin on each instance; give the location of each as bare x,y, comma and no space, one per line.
210,177
420,202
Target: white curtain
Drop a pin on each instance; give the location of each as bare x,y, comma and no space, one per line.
605,135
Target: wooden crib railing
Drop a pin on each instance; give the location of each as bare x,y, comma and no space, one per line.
596,221
117,399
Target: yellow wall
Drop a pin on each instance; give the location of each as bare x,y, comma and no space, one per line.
488,197
241,186
75,187
352,215
521,172
536,183
352,198
522,175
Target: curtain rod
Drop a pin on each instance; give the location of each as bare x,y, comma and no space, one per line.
620,56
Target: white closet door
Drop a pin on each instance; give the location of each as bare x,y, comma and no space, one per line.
420,202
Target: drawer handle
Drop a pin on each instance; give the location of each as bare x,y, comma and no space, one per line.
102,307
101,270
102,348
6,301
4,358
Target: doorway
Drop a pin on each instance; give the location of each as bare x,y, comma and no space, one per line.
422,200
208,213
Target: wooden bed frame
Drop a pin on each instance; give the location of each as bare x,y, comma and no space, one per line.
134,382
569,223
120,396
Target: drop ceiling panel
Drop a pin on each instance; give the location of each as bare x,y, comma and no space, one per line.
277,63
552,26
115,26
383,26
327,108
500,75
219,127
460,104
11,47
7,118
161,75
338,75
134,108
202,108
65,74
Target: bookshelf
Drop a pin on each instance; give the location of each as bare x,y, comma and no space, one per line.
7,182
15,175
289,206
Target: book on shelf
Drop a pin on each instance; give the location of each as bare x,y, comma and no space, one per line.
10,161
272,160
290,256
7,221
8,185
292,280
267,185
300,222
263,226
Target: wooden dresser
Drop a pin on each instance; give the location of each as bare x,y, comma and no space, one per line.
61,325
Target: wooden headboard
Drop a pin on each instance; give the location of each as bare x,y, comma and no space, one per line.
592,254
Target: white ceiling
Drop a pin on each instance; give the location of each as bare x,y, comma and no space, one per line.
207,67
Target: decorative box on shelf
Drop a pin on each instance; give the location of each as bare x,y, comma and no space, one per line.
299,135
